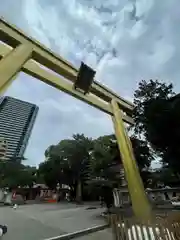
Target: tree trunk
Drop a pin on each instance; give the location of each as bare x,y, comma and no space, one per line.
79,192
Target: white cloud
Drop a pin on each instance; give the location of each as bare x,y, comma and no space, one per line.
138,29
162,52
125,41
143,6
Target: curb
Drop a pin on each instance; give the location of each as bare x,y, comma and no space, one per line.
79,233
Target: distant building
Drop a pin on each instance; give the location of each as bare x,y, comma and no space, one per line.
16,122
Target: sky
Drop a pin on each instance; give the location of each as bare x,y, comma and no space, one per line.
125,41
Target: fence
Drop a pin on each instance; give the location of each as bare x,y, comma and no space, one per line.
121,196
165,227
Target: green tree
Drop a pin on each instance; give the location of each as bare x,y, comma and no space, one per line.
103,156
54,171
142,152
14,174
72,155
78,161
157,118
149,99
106,154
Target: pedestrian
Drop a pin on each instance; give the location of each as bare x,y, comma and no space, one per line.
68,197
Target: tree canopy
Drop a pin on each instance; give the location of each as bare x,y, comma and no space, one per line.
68,162
14,174
150,100
80,160
157,118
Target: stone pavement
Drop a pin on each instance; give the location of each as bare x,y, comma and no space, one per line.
42,221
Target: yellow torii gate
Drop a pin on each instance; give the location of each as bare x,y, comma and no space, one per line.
21,52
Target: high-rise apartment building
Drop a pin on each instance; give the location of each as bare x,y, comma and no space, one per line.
17,118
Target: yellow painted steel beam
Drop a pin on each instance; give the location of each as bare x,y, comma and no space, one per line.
34,69
140,203
4,50
12,63
13,36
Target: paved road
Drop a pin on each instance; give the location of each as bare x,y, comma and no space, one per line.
41,221
101,235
